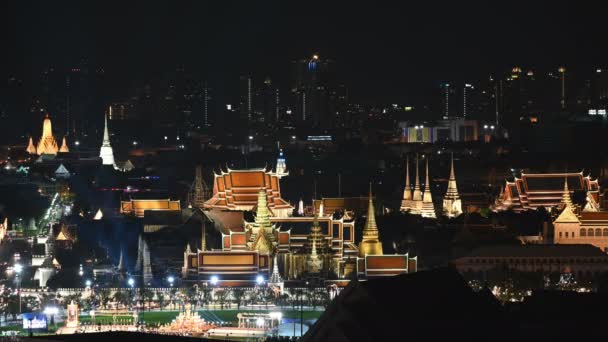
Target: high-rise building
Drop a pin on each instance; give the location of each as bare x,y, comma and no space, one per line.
246,98
448,107
313,85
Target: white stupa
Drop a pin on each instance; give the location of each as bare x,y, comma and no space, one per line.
106,153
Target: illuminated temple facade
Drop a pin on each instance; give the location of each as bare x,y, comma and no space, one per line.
238,190
318,247
586,226
47,143
417,202
535,190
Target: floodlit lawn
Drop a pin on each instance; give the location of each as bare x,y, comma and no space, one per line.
162,317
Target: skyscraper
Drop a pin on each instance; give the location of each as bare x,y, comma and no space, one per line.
312,85
246,98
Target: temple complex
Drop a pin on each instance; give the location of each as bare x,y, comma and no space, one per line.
47,143
106,153
588,227
238,190
535,190
452,205
285,249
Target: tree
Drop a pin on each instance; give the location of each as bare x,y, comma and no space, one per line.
160,297
104,297
206,295
147,296
238,295
220,296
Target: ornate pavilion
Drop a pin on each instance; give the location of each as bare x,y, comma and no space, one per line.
319,247
534,190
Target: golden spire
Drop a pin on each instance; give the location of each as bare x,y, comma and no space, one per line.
30,147
417,193
64,146
407,192
427,184
370,243
566,195
263,235
567,215
47,143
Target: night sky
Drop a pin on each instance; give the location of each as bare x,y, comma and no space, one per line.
388,52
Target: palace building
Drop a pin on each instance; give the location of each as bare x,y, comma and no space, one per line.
238,190
544,189
137,207
589,226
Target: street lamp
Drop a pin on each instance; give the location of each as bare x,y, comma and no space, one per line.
88,283
131,282
214,280
170,279
259,279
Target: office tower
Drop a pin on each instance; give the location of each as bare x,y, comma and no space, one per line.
447,101
312,85
246,98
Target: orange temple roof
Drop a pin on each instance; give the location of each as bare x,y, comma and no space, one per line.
534,190
238,190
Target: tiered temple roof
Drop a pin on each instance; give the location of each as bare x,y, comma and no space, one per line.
238,190
535,190
47,143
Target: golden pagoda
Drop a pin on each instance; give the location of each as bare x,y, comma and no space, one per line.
64,146
47,143
262,236
316,249
31,149
567,215
370,243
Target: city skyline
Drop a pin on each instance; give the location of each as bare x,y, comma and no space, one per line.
401,52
